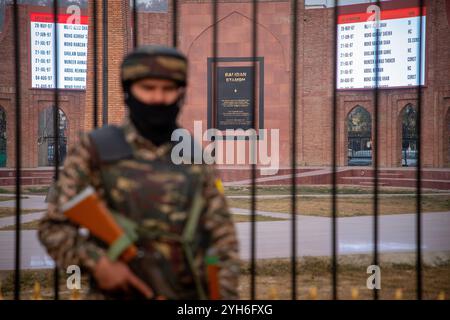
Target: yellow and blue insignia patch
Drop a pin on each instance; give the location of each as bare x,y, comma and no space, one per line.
219,185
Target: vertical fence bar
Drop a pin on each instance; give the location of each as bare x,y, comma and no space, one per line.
105,63
55,124
175,23
294,155
95,63
215,60
334,265
16,35
375,147
419,166
253,165
135,24
215,9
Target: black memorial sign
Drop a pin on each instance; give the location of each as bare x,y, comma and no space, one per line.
235,102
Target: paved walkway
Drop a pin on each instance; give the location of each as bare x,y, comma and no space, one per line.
28,217
27,202
396,234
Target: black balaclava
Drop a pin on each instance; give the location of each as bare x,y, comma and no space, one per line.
155,122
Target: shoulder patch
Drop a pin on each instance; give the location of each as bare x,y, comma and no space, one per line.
219,185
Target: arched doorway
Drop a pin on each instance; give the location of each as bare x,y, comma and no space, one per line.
3,150
408,118
359,137
46,139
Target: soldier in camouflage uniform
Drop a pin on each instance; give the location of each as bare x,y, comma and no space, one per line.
130,167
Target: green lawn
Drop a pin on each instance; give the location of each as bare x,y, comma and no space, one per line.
7,198
349,206
33,190
247,218
319,189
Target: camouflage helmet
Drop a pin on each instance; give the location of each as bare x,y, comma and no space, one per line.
153,61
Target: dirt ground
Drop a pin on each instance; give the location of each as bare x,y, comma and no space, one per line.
314,281
273,280
9,212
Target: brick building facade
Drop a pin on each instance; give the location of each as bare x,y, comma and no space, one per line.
195,34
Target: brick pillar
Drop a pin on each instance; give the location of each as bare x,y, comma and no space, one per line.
119,39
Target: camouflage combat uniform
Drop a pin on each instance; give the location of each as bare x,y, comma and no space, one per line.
166,193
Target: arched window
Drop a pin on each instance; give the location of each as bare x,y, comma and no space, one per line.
3,150
409,136
46,139
2,14
359,135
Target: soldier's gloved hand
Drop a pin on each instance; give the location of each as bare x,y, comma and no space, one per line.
115,275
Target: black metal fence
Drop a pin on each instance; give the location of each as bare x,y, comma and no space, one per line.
296,40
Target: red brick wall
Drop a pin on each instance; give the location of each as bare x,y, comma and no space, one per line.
32,100
118,45
7,93
315,83
315,87
152,28
234,40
